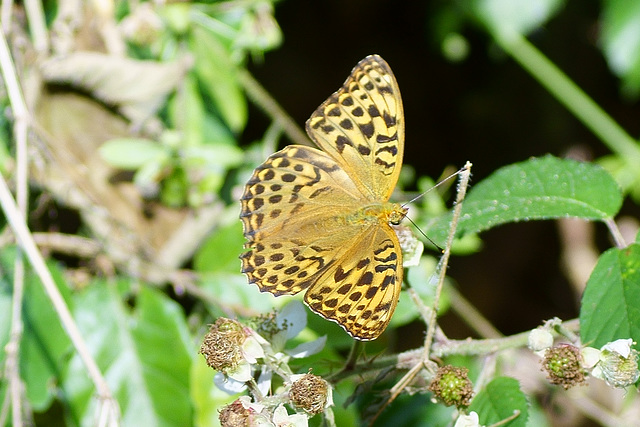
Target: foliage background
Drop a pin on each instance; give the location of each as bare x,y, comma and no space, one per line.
464,99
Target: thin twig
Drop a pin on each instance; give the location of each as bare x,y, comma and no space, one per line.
37,25
615,233
444,262
20,128
256,93
470,315
67,244
465,347
442,268
18,224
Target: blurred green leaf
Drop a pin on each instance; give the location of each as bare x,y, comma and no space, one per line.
175,188
132,153
187,112
609,309
620,41
540,188
221,251
217,73
233,290
498,401
207,399
221,155
45,345
145,356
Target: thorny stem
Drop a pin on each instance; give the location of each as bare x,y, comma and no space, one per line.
444,262
350,363
442,268
465,347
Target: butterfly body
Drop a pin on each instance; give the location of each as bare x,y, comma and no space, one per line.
320,220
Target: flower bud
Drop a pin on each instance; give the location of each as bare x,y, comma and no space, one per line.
540,339
563,364
222,345
311,393
452,386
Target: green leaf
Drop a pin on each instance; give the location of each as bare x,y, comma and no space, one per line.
215,155
45,345
540,188
217,73
498,401
221,251
610,308
132,153
207,399
145,356
620,40
187,112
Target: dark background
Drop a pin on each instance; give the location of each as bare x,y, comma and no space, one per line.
486,109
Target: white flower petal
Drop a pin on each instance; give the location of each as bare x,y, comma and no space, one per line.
591,357
252,350
241,373
308,348
294,316
281,418
470,420
228,385
621,346
248,404
540,339
264,381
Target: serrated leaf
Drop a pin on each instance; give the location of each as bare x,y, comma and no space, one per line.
609,308
132,153
218,74
540,188
498,401
144,355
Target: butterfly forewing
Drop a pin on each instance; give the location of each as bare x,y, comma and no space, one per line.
319,220
293,211
362,127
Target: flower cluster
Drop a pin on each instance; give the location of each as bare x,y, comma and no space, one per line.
567,365
616,363
249,358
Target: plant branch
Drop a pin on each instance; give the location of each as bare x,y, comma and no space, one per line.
466,347
20,128
261,98
571,96
442,269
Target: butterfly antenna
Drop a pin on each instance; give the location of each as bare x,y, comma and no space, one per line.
432,188
425,236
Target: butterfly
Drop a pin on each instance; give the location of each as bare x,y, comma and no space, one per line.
320,220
